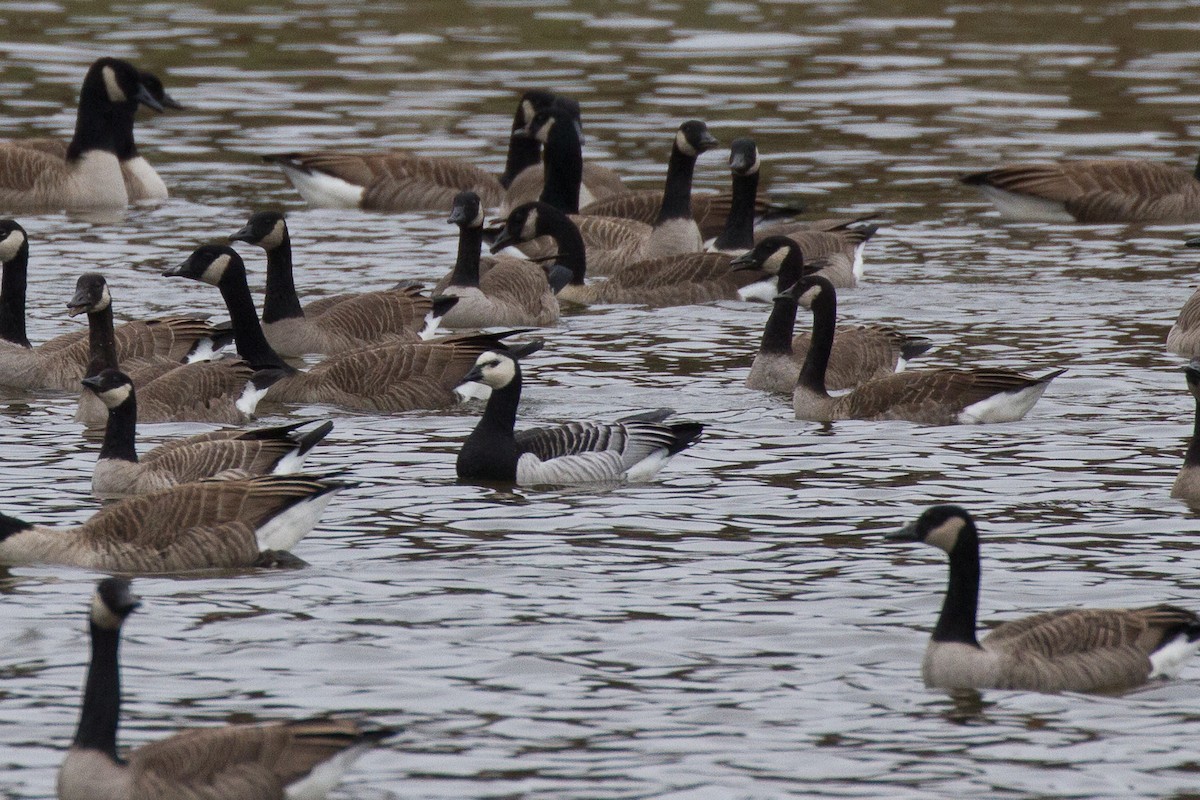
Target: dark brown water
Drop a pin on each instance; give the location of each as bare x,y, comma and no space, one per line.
736,629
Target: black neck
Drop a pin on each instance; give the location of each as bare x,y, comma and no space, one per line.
956,623
123,144
523,152
1192,458
777,336
500,415
812,373
248,334
10,525
563,173
281,301
101,695
12,297
98,120
791,269
102,342
571,251
120,431
677,192
1196,172
466,266
739,225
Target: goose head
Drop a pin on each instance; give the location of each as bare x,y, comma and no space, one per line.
522,225
112,386
777,255
743,157
91,295
214,264
941,526
112,603
563,111
267,229
111,81
493,369
467,211
531,103
154,88
12,239
693,138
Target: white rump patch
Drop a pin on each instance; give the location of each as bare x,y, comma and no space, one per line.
648,467
901,364
115,93
1003,407
292,462
322,190
10,245
282,531
1166,661
858,261
761,292
324,776
248,402
1025,207
202,350
431,326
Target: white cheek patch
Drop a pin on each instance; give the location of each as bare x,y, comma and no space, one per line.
103,616
274,238
478,221
105,300
544,132
216,270
774,262
945,536
807,298
500,375
753,168
529,229
683,145
115,93
10,245
527,113
116,396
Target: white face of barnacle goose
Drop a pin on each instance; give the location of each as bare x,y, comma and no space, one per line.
495,369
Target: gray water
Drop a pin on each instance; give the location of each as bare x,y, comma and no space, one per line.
735,629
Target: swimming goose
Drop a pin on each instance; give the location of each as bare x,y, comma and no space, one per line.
675,280
510,291
1093,190
224,524
391,377
932,397
860,353
1184,336
337,323
294,759
834,255
1187,482
631,449
224,390
223,454
1068,650
61,362
90,175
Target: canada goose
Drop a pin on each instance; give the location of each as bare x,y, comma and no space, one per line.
632,449
393,377
225,390
1093,190
223,454
90,175
834,255
675,280
223,524
1184,336
932,397
1068,650
332,324
1187,482
295,759
860,353
61,362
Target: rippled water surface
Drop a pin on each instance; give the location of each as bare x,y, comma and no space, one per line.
735,629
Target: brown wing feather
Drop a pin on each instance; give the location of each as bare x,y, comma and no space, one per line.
526,187
371,316
861,353
931,396
204,391
1184,336
23,170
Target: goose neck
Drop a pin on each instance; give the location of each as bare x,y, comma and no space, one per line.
500,414
677,191
816,362
563,172
956,623
1192,458
102,342
281,301
101,695
739,225
12,297
466,265
777,336
120,431
98,120
248,334
572,253
523,152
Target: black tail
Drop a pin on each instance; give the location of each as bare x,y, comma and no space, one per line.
686,434
913,346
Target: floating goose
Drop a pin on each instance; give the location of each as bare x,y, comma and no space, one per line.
338,323
659,282
1094,190
860,353
225,524
294,759
221,454
90,175
631,449
932,397
1184,336
1187,482
1068,650
834,255
390,377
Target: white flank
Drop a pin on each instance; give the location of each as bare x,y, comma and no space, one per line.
1003,407
282,531
318,783
473,391
431,326
1024,207
1166,661
322,190
648,467
249,399
762,291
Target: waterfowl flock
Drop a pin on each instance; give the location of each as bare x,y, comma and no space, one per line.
562,235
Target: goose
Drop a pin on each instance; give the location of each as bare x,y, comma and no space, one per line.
834,255
90,175
1187,482
631,449
233,453
932,397
61,362
1067,650
242,761
511,291
337,323
224,390
675,280
390,377
214,524
861,353
1092,190
1184,336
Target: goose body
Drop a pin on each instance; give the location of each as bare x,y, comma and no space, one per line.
1184,336
389,377
834,255
1187,482
512,291
931,397
632,449
335,324
298,759
1071,649
224,524
1095,190
220,454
